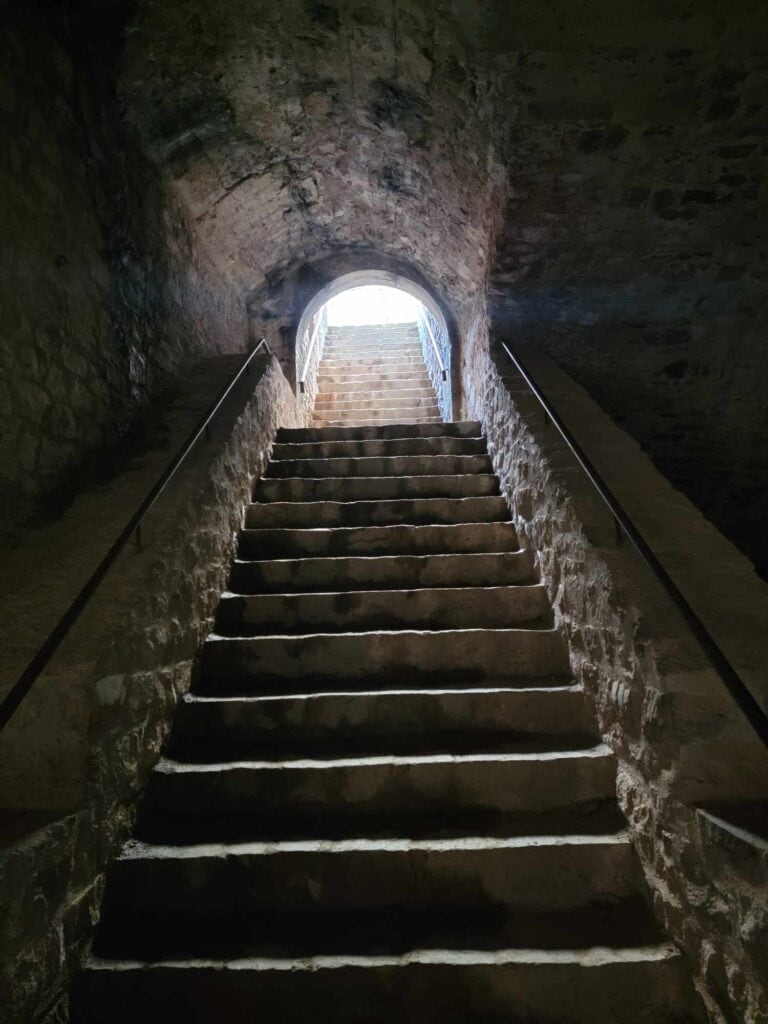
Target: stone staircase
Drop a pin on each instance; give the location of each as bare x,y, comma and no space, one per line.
384,798
372,375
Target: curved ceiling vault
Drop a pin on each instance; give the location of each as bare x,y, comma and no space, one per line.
295,129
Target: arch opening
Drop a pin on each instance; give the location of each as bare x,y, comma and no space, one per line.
376,303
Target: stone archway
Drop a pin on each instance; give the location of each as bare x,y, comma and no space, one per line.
392,275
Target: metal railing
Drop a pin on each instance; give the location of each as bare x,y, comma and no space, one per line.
132,528
436,347
308,357
624,526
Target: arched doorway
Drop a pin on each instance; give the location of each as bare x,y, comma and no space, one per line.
378,298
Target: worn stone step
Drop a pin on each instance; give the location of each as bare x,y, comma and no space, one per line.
358,416
373,361
375,345
167,828
365,610
371,346
375,377
371,930
365,789
354,421
380,334
333,877
353,383
318,514
432,447
362,353
303,435
283,575
612,985
374,330
392,373
390,398
408,327
346,611
371,723
395,466
373,340
254,664
375,488
378,540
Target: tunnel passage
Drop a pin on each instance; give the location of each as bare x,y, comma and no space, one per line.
374,353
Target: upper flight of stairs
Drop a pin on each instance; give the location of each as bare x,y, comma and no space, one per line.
374,375
384,799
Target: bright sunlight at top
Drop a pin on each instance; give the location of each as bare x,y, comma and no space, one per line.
373,304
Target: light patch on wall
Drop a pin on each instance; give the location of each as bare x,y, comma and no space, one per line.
373,304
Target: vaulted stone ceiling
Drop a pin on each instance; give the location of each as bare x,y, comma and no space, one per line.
598,165
294,129
589,173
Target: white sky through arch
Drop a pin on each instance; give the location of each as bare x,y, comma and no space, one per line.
372,304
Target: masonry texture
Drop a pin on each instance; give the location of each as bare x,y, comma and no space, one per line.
631,244
678,737
106,296
180,178
76,753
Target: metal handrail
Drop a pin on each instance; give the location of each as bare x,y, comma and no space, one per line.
735,685
24,683
433,339
308,357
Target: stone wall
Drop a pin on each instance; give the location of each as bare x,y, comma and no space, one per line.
106,295
632,248
79,749
678,738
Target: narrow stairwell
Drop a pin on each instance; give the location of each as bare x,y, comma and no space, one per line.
372,375
384,799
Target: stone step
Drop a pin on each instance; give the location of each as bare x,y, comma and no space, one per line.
380,381
408,327
364,352
628,984
335,879
361,330
362,790
398,572
367,382
373,360
371,931
380,722
386,398
374,342
353,421
243,665
363,416
373,364
167,828
397,447
417,511
336,378
375,488
303,435
387,370
365,610
395,466
375,406
378,540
